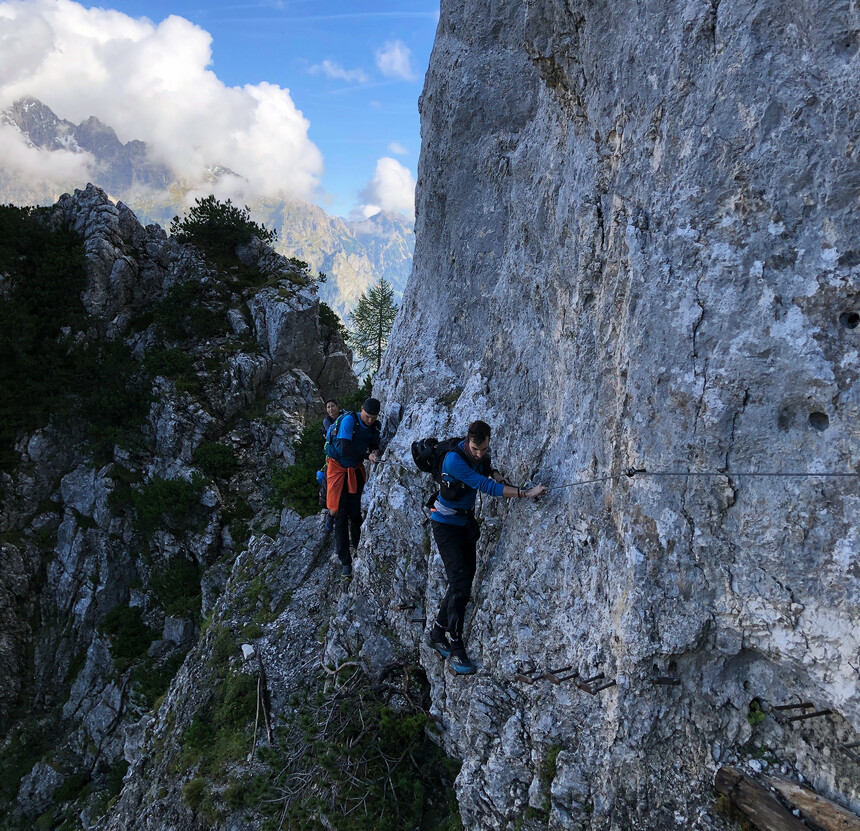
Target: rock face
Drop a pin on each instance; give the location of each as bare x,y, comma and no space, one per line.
98,604
636,246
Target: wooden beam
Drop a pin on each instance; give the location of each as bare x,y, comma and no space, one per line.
814,807
758,803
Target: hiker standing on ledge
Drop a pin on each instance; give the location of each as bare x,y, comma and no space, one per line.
332,411
355,437
465,471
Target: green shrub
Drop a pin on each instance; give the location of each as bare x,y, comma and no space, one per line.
237,517
221,730
117,773
129,636
353,402
193,793
756,715
252,631
168,362
219,227
151,679
176,586
296,486
71,787
329,318
112,393
216,460
168,502
185,311
360,762
46,370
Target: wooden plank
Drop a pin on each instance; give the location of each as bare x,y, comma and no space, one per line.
814,807
759,804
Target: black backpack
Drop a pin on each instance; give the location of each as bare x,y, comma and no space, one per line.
429,454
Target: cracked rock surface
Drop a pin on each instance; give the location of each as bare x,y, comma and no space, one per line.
637,245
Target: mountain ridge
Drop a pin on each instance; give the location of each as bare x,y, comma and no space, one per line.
354,255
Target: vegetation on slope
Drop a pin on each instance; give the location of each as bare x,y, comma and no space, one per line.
49,369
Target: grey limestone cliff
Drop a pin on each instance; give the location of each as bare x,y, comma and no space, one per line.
636,246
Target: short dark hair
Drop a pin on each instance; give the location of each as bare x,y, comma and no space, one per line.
331,401
479,432
371,406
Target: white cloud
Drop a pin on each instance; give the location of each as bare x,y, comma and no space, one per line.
336,72
391,189
398,149
151,82
394,60
22,161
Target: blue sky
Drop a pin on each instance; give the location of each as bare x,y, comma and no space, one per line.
353,69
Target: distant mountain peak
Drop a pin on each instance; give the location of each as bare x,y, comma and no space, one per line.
354,254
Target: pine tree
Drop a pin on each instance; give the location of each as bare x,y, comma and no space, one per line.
372,321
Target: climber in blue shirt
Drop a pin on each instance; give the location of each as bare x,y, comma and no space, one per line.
465,471
354,437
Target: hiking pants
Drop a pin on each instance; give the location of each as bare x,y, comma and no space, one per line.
347,522
456,544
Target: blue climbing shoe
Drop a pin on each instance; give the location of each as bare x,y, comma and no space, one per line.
437,641
459,662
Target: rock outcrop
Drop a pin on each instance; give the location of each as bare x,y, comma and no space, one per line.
636,246
113,545
636,251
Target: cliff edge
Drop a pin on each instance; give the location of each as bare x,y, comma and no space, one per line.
636,246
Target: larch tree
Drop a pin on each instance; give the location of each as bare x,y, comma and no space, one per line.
372,320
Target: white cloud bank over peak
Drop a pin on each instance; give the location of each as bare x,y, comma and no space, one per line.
335,71
395,60
37,167
391,189
150,82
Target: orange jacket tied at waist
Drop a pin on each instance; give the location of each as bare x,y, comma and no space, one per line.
336,475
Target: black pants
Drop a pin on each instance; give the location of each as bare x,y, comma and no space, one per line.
456,544
347,522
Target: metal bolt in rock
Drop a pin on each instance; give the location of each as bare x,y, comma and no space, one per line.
666,681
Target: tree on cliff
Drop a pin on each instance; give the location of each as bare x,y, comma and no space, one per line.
372,321
218,227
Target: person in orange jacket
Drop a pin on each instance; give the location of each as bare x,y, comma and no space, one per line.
355,437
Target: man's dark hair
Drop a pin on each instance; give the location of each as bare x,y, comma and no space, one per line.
331,401
479,432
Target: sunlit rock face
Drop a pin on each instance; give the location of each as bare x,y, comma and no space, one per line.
637,245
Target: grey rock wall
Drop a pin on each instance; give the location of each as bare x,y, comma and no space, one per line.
636,245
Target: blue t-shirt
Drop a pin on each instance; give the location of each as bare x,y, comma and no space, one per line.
361,439
455,467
